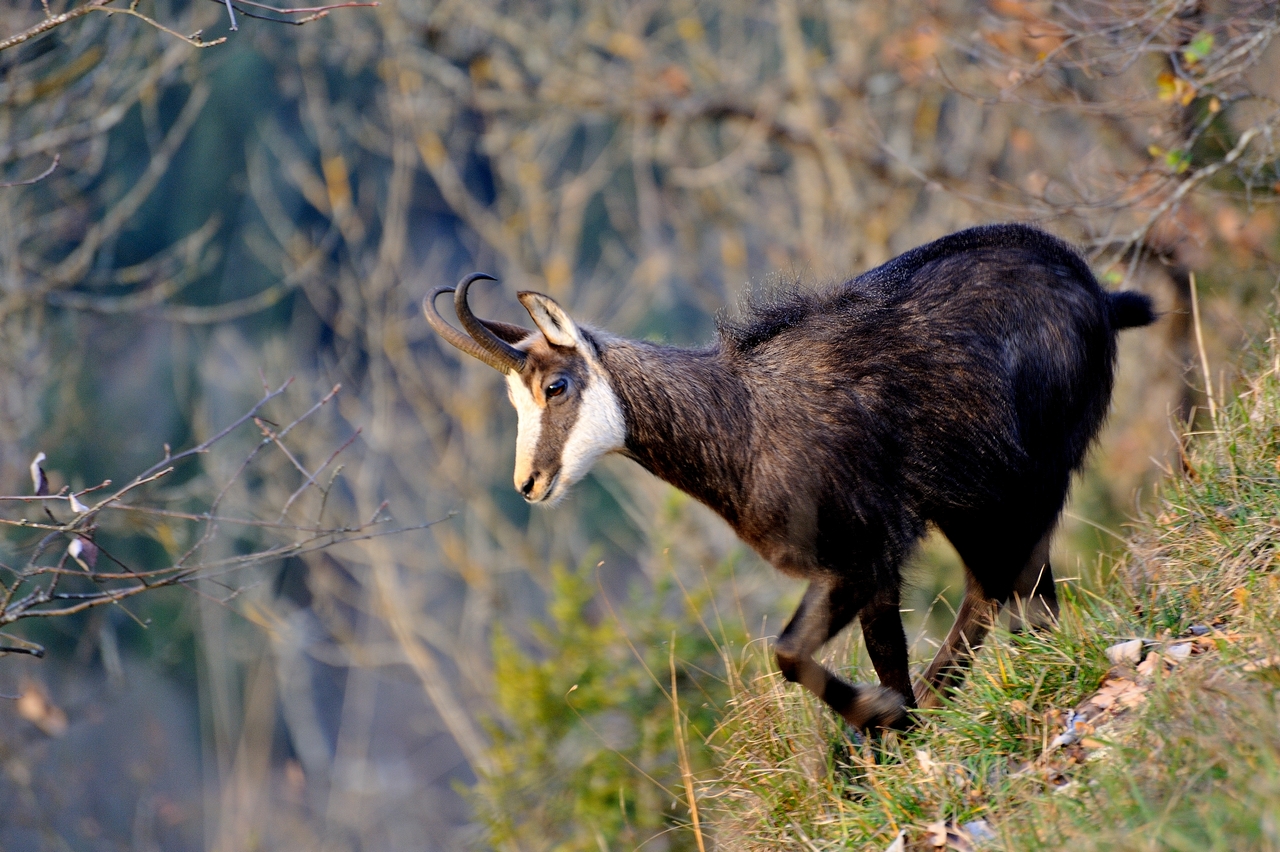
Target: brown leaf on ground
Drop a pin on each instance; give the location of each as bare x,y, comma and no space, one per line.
1270,662
1125,652
1119,691
947,835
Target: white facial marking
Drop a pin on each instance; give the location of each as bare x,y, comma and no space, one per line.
599,429
528,429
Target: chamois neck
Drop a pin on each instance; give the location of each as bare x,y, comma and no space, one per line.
687,418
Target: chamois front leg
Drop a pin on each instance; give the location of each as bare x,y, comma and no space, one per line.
825,610
886,643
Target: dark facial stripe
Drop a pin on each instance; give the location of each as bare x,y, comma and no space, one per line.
558,419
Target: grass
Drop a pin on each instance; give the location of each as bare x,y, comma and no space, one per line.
1194,765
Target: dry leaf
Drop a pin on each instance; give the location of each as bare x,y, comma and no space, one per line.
936,834
39,481
947,835
899,843
1264,663
928,765
1125,652
34,706
1121,691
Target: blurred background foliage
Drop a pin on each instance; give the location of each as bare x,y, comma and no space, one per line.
277,205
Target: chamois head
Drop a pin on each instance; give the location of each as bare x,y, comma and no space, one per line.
568,413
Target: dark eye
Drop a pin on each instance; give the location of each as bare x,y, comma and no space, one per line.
556,388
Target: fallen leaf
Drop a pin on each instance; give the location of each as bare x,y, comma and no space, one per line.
1125,652
1147,668
1264,663
1120,691
947,835
36,708
1241,595
928,765
899,843
936,834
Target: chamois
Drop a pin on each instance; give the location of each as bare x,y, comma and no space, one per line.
959,384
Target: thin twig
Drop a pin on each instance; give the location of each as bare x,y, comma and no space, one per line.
312,478
169,461
1204,359
44,174
49,23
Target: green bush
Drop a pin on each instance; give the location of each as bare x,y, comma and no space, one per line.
603,723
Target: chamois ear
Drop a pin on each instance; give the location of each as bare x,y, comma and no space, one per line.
551,320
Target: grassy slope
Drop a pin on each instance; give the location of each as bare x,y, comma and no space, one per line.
1195,764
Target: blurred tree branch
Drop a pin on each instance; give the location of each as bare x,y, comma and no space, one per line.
69,568
304,15
647,165
1188,85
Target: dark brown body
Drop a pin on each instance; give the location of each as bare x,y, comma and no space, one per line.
959,384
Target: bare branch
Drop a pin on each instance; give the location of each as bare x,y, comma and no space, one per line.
35,591
44,174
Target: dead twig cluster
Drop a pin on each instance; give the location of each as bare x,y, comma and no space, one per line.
65,542
259,11
1187,89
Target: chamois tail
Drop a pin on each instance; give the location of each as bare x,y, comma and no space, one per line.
1130,309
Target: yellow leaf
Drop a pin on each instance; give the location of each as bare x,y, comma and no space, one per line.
431,149
337,181
690,29
36,708
625,45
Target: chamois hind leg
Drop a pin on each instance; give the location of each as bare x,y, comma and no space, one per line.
827,607
951,663
1007,570
1034,602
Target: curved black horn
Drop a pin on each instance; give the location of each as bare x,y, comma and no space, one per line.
504,360
506,354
